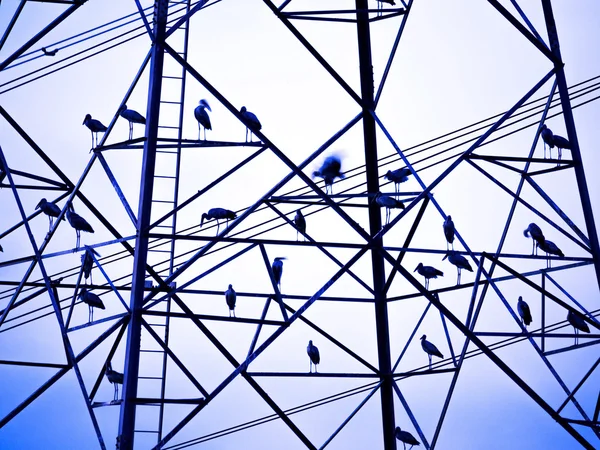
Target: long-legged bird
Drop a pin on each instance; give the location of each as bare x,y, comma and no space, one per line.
251,121
313,355
389,203
578,324
536,235
87,262
551,249
428,272
329,171
406,438
218,214
132,117
95,126
459,261
300,223
398,176
78,222
277,268
92,300
449,232
115,378
202,117
430,349
230,298
524,312
547,135
50,209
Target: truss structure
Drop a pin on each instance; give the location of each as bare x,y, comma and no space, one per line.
195,373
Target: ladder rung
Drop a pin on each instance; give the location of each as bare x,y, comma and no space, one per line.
163,226
165,151
169,127
150,378
170,103
164,176
171,77
157,324
163,201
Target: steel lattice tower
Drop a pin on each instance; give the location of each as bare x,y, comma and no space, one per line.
349,283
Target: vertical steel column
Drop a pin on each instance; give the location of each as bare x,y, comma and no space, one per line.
367,88
572,135
132,355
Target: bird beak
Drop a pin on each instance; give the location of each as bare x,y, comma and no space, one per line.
416,269
445,256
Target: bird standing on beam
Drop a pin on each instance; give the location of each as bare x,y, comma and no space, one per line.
218,213
92,300
389,203
546,134
202,117
398,176
329,171
561,143
230,298
313,355
430,349
251,121
524,312
50,209
277,268
77,222
551,249
132,117
536,235
300,223
459,261
380,6
428,272
87,262
115,378
578,324
95,126
406,438
449,232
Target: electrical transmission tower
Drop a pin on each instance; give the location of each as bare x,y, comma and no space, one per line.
198,308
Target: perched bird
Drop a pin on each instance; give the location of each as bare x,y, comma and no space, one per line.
313,354
78,222
87,262
218,213
428,272
380,5
230,297
560,143
300,223
329,171
459,261
524,312
115,378
132,117
547,136
95,126
578,324
49,52
277,268
202,117
389,203
536,235
50,209
398,176
449,232
251,121
92,300
406,438
430,349
551,249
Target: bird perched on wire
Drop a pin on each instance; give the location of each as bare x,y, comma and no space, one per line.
578,324
49,52
524,312
50,209
389,203
230,298
92,300
547,135
406,438
87,262
251,121
430,349
398,176
202,117
218,214
459,261
277,268
313,355
428,272
300,223
449,232
132,117
551,249
536,235
95,126
329,171
115,378
78,222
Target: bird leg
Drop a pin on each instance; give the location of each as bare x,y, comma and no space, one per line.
116,395
458,279
429,361
90,314
77,242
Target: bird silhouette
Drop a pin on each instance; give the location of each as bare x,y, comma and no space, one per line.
398,176
406,438
230,298
449,232
300,223
551,249
50,209
202,117
277,268
132,117
547,136
561,143
459,261
313,355
49,52
524,312
77,222
536,235
428,272
92,300
380,5
95,126
329,171
389,203
87,262
578,324
430,349
218,214
251,121
115,378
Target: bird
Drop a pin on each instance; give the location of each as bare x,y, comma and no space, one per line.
459,261
230,297
547,136
78,222
551,249
218,213
578,324
313,354
87,262
95,126
132,117
115,378
430,349
389,203
202,117
380,5
300,223
92,300
50,209
398,176
536,235
561,143
524,312
406,438
49,52
251,121
449,232
277,268
329,171
428,272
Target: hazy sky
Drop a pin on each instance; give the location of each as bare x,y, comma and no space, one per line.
458,63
